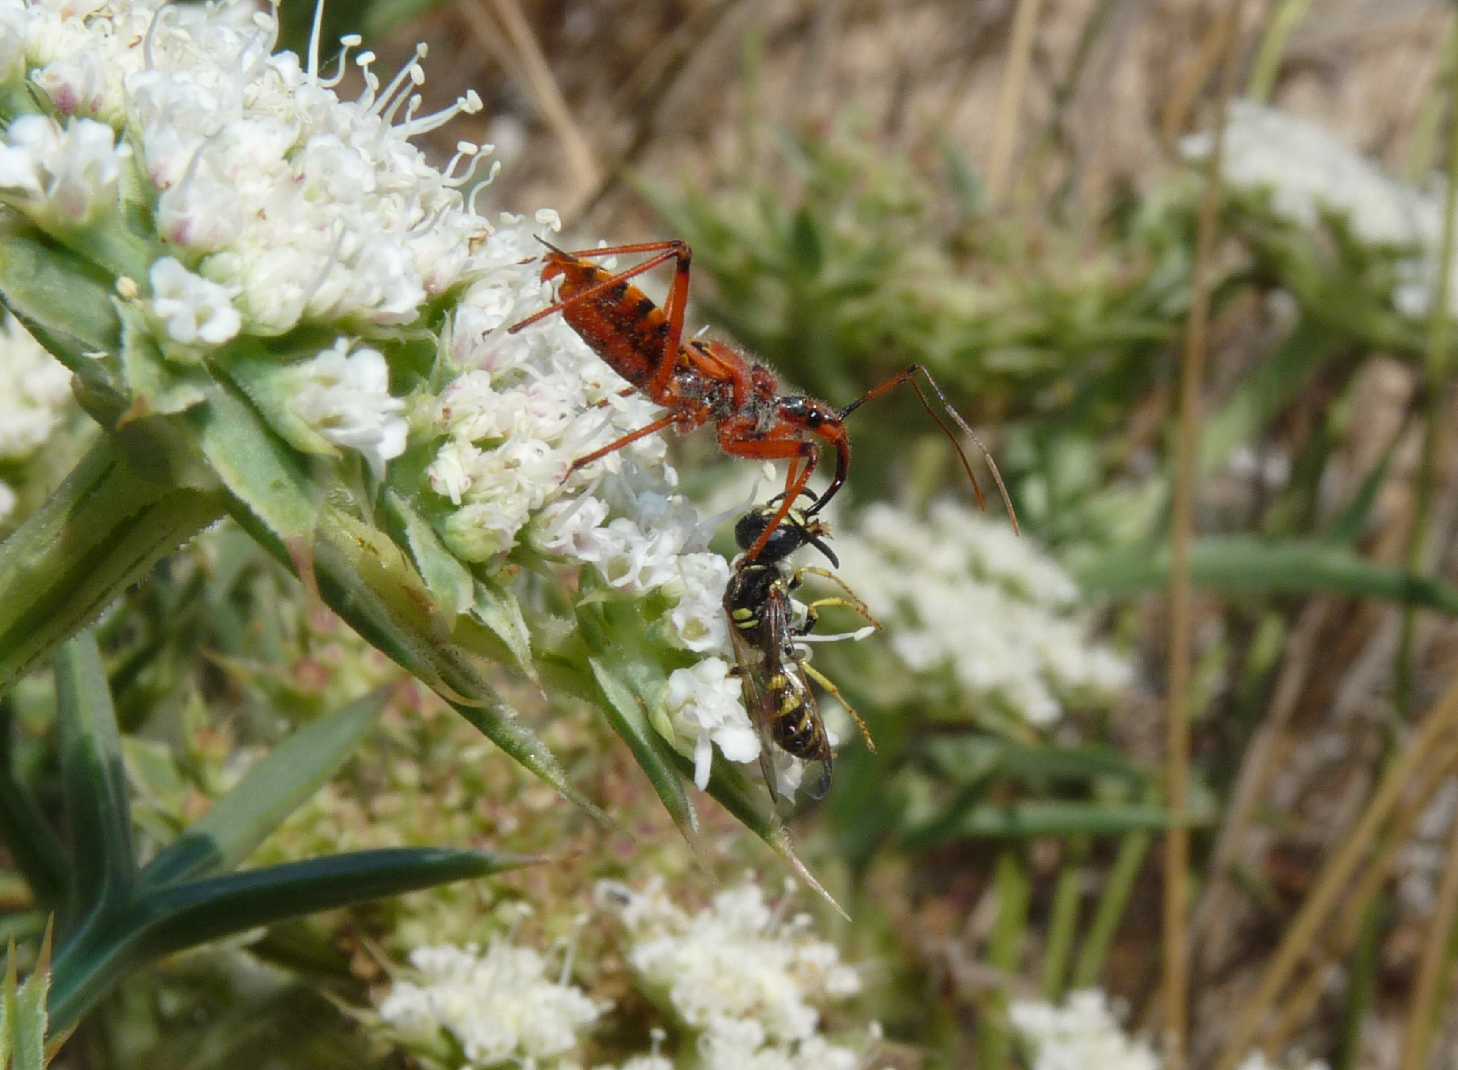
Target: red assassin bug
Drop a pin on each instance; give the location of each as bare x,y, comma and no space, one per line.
702,381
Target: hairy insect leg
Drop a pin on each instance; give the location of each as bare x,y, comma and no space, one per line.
663,423
830,688
794,484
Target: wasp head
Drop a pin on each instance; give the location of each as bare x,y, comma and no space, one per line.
798,530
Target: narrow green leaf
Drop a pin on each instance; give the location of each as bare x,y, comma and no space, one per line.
361,581
1027,820
185,915
498,611
448,580
98,533
93,777
9,1012
805,243
270,791
1270,387
158,386
30,1020
165,920
973,759
1245,564
65,302
747,802
257,467
627,713
1351,522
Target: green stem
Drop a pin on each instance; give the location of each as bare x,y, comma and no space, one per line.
1273,46
1110,911
1064,921
96,535
1013,890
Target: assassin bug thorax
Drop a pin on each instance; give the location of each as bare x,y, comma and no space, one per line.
701,381
770,643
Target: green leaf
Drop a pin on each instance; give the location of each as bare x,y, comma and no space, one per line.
65,302
165,920
257,467
745,800
93,776
1028,820
270,791
98,533
367,580
157,385
447,579
497,610
1269,388
626,710
1247,564
270,382
185,915
974,759
29,1024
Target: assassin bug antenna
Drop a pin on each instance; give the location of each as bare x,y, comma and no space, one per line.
909,376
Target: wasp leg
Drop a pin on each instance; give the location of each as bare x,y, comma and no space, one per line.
829,685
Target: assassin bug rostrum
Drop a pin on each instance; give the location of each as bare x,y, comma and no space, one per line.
771,639
702,381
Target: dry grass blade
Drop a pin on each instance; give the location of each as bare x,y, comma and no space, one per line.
1010,97
1175,989
1336,876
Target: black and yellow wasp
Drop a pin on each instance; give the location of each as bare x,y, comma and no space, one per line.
771,634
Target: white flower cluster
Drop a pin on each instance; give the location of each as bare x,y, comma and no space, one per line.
1307,171
961,594
34,390
526,408
499,1006
738,977
1084,1032
281,204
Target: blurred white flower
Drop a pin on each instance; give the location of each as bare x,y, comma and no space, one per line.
743,979
345,396
499,1006
34,389
1308,170
1084,1032
960,594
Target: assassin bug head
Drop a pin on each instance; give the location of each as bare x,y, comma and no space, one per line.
797,530
818,418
